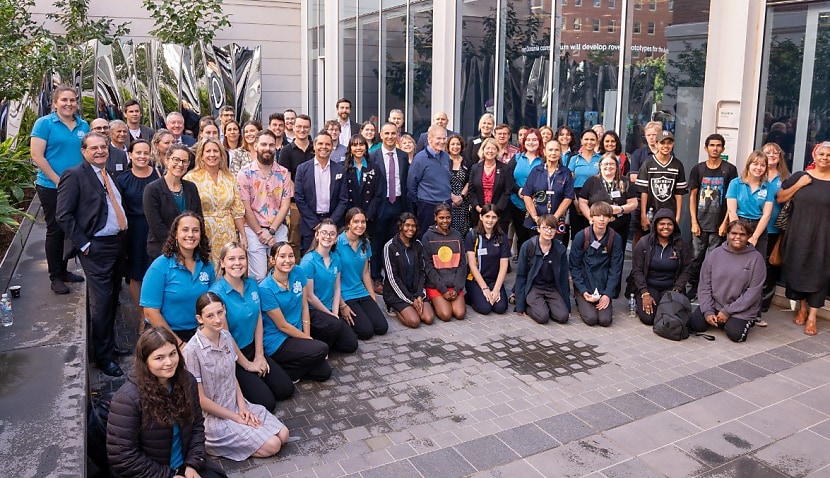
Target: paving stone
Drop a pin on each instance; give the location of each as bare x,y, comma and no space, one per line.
517,469
601,416
527,440
445,463
721,444
579,458
782,419
694,387
565,427
673,462
486,452
397,469
630,469
714,410
818,399
720,378
811,374
634,406
745,369
797,455
790,354
651,433
822,429
768,390
665,396
769,362
743,466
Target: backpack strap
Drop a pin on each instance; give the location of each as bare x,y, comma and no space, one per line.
587,233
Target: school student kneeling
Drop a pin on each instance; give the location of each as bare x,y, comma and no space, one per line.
541,286
596,262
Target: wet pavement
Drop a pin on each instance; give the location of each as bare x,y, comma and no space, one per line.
501,396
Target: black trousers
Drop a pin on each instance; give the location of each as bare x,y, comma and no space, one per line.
736,329
648,319
386,226
303,358
773,274
54,234
334,331
475,297
368,319
425,211
267,390
100,265
517,217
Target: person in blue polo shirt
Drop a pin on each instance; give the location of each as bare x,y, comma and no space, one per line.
55,147
286,322
261,380
488,254
178,277
748,197
321,265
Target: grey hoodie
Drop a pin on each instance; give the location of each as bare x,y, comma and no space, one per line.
732,282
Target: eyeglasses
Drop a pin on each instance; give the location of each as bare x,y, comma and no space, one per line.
545,228
327,233
101,128
175,160
96,148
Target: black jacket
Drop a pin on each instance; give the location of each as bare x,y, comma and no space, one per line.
160,210
367,194
502,187
81,207
395,262
143,450
643,251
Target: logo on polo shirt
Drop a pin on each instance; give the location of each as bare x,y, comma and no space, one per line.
80,134
255,296
204,278
297,287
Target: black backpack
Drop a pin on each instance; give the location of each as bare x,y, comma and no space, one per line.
671,319
98,412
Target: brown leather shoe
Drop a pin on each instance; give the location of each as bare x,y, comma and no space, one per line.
378,286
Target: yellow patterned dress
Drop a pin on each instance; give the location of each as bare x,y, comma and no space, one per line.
221,205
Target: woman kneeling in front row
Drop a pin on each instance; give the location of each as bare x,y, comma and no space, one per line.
488,253
403,288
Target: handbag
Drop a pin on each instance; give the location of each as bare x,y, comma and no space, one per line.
776,257
783,219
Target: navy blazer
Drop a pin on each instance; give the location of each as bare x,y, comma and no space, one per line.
116,158
305,194
402,170
82,204
367,194
160,210
188,141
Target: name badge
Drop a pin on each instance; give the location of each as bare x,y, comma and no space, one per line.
596,245
550,192
477,141
482,251
119,167
615,194
337,177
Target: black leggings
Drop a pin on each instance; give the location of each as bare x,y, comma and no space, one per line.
368,318
517,217
736,329
334,331
303,358
266,391
475,297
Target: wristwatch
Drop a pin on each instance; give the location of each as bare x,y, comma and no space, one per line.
272,231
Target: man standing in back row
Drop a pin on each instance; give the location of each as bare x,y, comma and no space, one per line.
428,182
661,181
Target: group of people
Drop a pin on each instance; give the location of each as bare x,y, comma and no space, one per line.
262,251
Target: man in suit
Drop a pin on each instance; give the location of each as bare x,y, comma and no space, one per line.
117,159
132,115
439,119
348,128
175,124
320,189
91,214
394,167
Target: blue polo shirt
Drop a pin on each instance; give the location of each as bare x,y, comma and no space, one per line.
489,253
289,302
583,169
352,263
324,277
750,204
63,147
520,173
242,310
772,189
171,288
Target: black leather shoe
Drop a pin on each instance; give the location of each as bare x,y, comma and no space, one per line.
58,287
121,351
70,277
112,369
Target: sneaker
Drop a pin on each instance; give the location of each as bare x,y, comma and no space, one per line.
761,323
391,312
58,287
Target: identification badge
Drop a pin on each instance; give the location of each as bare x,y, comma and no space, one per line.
615,194
337,177
596,244
119,167
477,141
550,192
482,251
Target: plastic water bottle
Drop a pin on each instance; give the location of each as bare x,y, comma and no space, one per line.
632,307
650,215
6,317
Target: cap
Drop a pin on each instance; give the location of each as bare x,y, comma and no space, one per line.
664,135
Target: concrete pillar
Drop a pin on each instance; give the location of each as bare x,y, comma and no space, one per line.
733,69
446,36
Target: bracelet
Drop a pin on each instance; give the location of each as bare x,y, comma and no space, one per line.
644,294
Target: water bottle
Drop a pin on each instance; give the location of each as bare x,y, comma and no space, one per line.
650,215
6,317
632,307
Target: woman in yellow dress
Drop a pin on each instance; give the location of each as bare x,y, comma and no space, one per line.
221,204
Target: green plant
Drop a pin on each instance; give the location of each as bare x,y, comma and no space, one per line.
16,172
187,22
25,50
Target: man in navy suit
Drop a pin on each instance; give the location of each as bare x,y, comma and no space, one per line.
175,124
394,167
320,189
91,214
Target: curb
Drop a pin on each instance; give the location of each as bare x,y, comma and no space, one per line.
15,250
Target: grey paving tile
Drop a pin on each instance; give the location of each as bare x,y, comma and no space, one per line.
579,458
783,419
720,378
328,470
673,462
822,429
665,396
822,473
693,386
631,469
818,398
517,469
813,374
714,410
634,406
769,362
445,463
790,354
744,466
528,440
745,369
601,416
397,469
797,455
814,346
565,427
261,472
768,390
651,433
486,452
721,444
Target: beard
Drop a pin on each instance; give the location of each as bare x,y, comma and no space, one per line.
266,159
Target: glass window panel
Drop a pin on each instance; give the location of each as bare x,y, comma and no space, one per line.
394,54
478,53
348,58
595,24
577,24
421,65
366,95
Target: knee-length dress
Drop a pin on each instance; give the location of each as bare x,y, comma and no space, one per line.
807,240
132,195
221,205
214,368
460,213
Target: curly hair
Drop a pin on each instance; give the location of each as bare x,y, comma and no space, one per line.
157,402
171,246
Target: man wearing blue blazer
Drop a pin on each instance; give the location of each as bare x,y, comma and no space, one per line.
320,189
